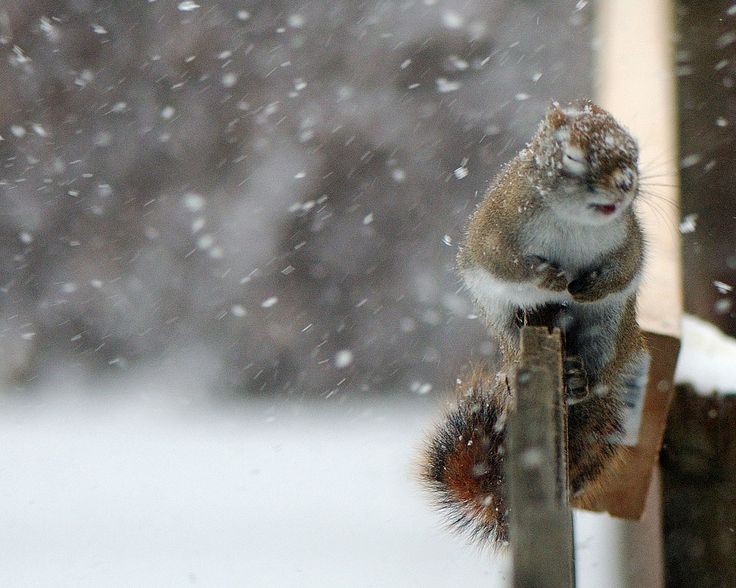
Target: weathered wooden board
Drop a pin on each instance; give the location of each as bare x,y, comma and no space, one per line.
540,518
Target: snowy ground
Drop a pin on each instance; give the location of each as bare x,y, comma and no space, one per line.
137,489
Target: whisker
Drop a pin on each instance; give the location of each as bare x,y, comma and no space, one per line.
655,176
660,197
658,161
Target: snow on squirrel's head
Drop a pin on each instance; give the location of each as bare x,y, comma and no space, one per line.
588,163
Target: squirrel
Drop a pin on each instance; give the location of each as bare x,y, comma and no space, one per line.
555,242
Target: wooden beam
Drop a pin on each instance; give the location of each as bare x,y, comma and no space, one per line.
636,83
540,519
699,481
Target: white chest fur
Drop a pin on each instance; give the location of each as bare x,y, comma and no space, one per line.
571,245
496,296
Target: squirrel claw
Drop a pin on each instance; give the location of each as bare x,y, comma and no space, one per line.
550,276
554,281
586,288
576,380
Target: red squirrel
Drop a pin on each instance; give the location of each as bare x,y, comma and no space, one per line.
556,241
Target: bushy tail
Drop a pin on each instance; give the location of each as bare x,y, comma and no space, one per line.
463,459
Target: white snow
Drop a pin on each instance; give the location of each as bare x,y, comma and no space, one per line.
269,302
193,202
420,388
689,223
296,21
461,172
147,481
452,19
343,358
187,6
205,242
722,287
229,80
690,160
726,39
39,130
198,224
707,358
445,86
158,490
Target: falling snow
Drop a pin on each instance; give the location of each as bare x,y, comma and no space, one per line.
343,358
462,171
306,166
237,310
276,190
269,302
229,80
445,86
690,160
452,19
193,202
187,6
722,287
688,223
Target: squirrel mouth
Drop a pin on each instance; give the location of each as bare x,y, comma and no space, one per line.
605,209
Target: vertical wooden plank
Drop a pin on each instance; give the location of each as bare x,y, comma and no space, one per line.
636,83
699,480
540,519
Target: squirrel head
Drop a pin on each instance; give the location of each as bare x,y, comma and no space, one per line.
588,163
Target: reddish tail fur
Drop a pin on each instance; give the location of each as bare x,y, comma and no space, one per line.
464,459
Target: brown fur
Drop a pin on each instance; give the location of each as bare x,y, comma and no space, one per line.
463,461
465,456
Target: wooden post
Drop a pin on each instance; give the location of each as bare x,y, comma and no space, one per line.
540,518
636,83
699,483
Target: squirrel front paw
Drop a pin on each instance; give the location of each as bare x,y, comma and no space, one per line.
548,275
576,379
588,287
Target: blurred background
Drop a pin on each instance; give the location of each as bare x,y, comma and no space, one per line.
278,185
228,309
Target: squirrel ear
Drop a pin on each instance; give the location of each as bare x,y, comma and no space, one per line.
556,117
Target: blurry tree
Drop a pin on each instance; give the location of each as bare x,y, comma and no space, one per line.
279,183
